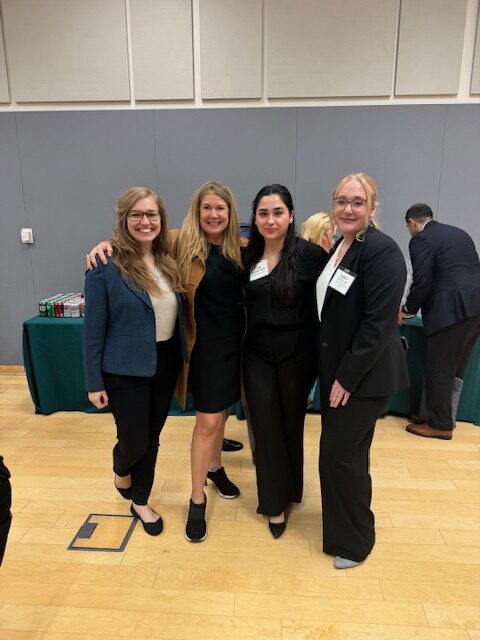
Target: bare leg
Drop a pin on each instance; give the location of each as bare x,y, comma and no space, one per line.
216,461
205,439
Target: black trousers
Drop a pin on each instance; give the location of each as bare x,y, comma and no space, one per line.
278,370
346,485
447,354
140,407
5,505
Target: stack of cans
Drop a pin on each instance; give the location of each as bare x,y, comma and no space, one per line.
63,305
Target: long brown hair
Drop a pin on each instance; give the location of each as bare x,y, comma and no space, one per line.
192,241
128,255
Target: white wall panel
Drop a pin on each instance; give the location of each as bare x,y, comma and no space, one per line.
320,48
231,48
430,47
68,50
475,87
162,49
4,95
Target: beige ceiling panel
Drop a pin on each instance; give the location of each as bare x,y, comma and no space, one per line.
4,95
68,50
231,49
162,49
323,48
430,47
475,88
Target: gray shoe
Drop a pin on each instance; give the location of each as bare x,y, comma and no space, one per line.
344,563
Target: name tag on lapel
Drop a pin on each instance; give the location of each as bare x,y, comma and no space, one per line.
342,280
260,270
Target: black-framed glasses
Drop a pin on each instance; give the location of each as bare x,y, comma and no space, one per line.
136,216
357,204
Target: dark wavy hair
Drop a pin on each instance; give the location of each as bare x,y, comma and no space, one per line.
284,283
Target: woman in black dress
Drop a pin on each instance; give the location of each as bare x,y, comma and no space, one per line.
279,364
208,254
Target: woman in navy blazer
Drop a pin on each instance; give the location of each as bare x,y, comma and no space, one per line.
361,362
132,343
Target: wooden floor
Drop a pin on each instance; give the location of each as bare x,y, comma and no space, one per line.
422,580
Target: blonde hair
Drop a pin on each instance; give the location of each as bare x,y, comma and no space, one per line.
371,191
192,241
316,226
128,254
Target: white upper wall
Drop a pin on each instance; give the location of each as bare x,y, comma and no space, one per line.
194,53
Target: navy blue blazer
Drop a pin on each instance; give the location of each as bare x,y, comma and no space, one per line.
446,276
119,329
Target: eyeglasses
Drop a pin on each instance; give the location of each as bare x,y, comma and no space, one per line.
357,204
136,216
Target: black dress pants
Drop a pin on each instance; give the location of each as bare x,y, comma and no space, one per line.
447,354
346,485
140,406
5,505
278,370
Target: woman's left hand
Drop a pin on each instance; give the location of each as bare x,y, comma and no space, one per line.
338,395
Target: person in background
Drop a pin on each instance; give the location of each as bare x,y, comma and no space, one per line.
132,343
279,363
361,363
446,286
5,506
319,228
207,251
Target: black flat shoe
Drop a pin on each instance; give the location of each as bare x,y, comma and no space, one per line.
125,493
277,529
225,487
231,445
152,528
196,529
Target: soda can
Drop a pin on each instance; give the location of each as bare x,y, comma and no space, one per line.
42,308
82,309
75,308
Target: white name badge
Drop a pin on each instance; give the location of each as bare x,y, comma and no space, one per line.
260,270
342,280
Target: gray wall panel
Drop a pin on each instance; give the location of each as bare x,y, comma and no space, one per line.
245,148
459,203
16,278
75,165
401,147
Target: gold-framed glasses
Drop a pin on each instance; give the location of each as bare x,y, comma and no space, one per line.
357,204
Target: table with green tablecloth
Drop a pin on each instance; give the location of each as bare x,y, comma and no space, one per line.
407,401
52,355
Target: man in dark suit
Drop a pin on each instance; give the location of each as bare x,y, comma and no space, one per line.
446,286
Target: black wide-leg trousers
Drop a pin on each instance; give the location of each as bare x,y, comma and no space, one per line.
278,372
446,358
140,406
346,485
5,506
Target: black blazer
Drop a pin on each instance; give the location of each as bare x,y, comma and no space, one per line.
446,276
359,342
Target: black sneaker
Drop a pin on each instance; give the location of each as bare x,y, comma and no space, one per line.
231,445
196,529
225,487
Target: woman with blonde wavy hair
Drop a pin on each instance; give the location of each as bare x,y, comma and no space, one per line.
361,363
319,228
208,255
132,343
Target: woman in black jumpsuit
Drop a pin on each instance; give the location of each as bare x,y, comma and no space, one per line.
279,363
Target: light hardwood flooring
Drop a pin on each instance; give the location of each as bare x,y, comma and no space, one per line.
422,580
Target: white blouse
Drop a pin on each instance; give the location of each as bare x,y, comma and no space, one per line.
165,308
324,280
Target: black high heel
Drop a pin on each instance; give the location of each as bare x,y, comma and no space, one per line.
277,529
152,528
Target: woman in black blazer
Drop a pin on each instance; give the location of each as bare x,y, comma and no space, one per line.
361,363
132,346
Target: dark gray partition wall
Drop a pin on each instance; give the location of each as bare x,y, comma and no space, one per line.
61,173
